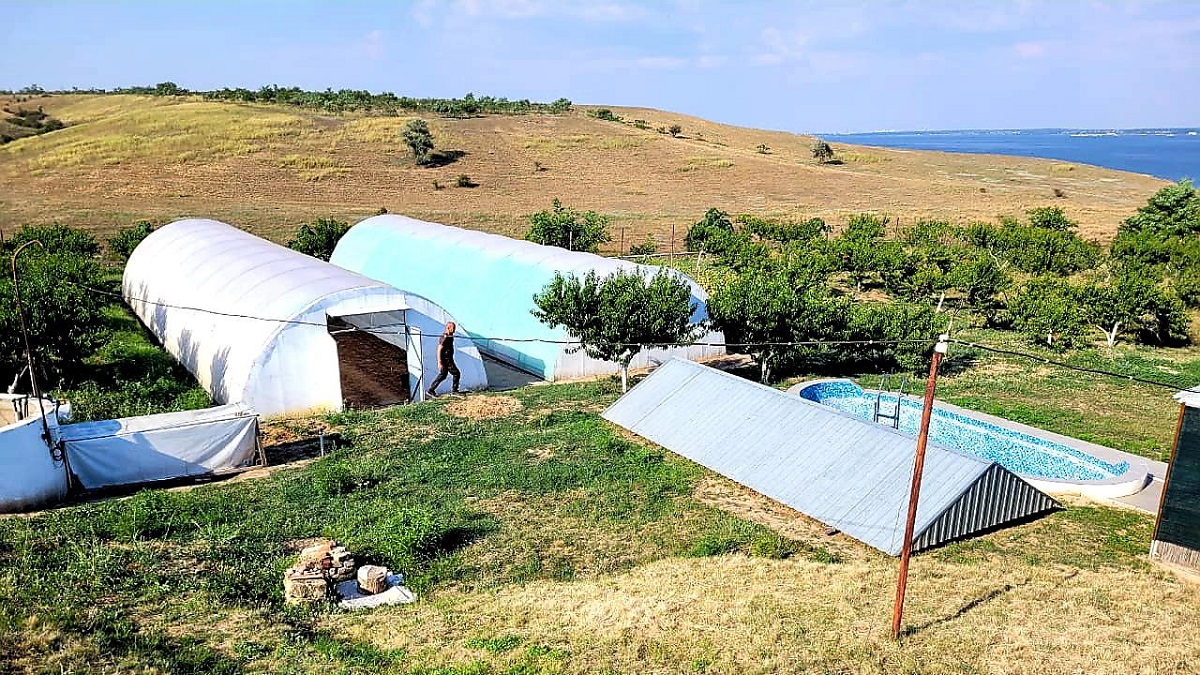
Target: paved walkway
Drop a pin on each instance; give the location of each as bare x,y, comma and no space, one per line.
1147,500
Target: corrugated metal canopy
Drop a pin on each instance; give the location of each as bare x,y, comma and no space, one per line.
847,473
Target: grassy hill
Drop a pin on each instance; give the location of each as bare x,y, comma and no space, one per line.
270,168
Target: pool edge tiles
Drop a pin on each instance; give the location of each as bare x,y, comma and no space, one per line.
1051,462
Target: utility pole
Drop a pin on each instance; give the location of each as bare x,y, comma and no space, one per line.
37,392
939,350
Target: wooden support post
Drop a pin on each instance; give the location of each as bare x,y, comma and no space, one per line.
939,351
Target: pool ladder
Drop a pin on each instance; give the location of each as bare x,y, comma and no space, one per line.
895,416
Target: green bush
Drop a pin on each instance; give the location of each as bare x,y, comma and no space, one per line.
713,225
320,238
1048,311
124,242
604,114
645,248
567,228
419,139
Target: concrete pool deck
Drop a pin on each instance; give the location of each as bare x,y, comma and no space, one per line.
1139,487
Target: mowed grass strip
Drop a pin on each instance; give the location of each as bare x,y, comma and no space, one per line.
542,539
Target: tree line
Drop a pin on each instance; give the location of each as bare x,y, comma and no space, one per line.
797,297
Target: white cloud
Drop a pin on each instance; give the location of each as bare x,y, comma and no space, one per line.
1030,50
373,45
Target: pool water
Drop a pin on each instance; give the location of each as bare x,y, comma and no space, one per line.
1016,451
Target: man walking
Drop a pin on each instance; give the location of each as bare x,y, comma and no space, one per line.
446,365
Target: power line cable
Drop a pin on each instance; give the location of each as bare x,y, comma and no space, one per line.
1069,366
375,330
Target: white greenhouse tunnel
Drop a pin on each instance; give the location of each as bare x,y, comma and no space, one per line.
489,281
261,324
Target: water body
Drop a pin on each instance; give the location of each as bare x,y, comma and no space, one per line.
1173,154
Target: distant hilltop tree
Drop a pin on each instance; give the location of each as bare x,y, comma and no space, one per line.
821,151
418,138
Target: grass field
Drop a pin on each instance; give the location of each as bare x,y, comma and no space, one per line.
541,539
270,169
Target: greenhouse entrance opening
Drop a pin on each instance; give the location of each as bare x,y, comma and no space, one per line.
372,359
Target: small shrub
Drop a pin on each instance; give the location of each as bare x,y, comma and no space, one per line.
567,228
320,238
381,211
763,148
126,240
604,114
645,248
822,151
641,124
675,130
537,167
419,139
1058,193
437,185
661,130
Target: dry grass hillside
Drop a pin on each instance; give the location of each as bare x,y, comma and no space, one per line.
268,169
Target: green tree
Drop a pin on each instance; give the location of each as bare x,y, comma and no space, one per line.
862,251
1050,218
1049,310
419,139
56,239
567,228
822,151
122,244
713,225
615,317
63,313
901,335
1173,211
675,130
320,238
771,308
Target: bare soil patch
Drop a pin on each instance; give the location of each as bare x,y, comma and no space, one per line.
484,407
746,503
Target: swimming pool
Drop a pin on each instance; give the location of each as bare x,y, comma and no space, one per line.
1048,460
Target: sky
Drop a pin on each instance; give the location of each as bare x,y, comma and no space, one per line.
804,66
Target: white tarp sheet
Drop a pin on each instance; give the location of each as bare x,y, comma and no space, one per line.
159,447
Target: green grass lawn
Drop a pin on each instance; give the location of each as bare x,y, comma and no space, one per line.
547,540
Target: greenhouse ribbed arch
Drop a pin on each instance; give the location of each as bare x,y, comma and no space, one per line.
283,332
489,282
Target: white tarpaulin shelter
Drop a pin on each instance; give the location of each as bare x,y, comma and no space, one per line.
256,323
160,447
489,282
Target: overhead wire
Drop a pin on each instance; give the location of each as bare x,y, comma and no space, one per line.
378,330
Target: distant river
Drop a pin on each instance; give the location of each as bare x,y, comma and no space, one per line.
1173,154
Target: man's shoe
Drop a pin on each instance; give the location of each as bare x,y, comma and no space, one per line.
430,394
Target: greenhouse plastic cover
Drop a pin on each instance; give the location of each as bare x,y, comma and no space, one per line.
248,317
489,281
161,447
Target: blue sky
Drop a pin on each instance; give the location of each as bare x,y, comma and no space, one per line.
806,66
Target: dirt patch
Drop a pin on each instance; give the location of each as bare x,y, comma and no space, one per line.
484,407
282,430
740,501
541,454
